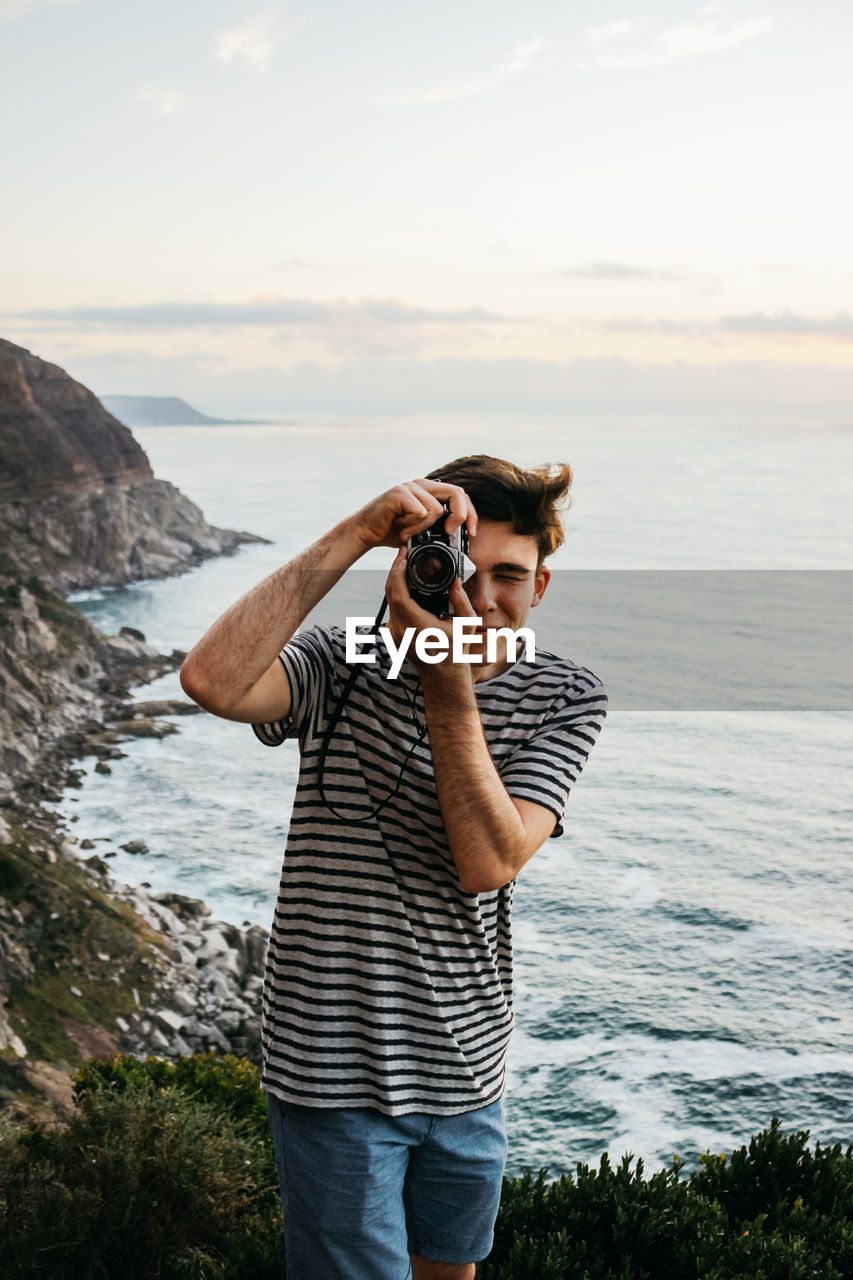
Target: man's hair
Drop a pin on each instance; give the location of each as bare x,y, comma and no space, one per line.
530,500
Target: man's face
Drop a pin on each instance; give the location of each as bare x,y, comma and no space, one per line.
509,582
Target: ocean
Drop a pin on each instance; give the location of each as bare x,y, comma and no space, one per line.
684,952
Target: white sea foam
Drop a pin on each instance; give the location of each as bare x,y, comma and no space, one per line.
637,1058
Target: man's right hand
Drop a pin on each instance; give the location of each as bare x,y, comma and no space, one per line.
234,670
399,513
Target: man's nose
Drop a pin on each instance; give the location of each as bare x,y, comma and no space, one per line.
479,591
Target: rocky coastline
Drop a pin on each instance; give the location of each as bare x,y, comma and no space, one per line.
90,966
209,974
184,982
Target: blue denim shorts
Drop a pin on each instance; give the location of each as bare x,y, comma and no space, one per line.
362,1190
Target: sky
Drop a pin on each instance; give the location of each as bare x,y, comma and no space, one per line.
485,202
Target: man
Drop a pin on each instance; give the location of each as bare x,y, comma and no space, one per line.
387,1004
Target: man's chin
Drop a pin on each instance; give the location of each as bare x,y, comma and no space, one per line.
477,650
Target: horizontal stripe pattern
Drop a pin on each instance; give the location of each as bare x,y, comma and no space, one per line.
386,985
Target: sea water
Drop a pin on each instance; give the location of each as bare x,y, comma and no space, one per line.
684,952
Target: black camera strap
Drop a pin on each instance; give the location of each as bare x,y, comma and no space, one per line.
333,723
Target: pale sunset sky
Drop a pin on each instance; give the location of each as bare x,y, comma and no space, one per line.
480,202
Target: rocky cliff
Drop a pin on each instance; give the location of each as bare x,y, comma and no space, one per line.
56,436
79,504
86,964
162,411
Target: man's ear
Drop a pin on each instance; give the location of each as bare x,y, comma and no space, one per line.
543,577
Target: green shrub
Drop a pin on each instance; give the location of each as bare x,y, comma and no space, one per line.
776,1175
789,1210
141,1182
230,1084
771,1211
604,1224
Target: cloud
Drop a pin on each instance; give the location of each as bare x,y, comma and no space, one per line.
681,42
270,312
256,40
609,31
289,329
166,102
12,9
783,323
521,59
837,326
617,271
667,328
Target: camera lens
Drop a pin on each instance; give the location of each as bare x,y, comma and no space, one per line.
432,568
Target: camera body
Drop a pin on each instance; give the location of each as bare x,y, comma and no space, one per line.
434,559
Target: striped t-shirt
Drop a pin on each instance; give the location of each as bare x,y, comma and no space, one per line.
388,986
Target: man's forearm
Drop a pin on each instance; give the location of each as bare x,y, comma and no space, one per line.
233,672
484,828
241,645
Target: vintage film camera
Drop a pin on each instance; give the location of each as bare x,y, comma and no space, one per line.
434,559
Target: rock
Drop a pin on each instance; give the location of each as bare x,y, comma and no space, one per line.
130,633
257,942
9,1039
184,1000
253,988
168,1019
102,767
214,942
185,955
135,846
56,435
214,981
228,1021
217,1041
79,490
145,728
162,411
185,908
166,707
122,649
96,864
87,844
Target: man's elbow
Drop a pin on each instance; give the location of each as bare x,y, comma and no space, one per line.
486,880
194,684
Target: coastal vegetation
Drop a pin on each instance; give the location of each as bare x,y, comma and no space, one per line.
72,980
166,1171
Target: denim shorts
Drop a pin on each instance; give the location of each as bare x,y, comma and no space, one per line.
361,1190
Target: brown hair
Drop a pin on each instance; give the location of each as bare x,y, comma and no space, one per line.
530,500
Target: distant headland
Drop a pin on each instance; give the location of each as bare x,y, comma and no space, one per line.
163,411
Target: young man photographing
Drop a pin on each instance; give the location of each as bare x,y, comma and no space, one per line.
387,1004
